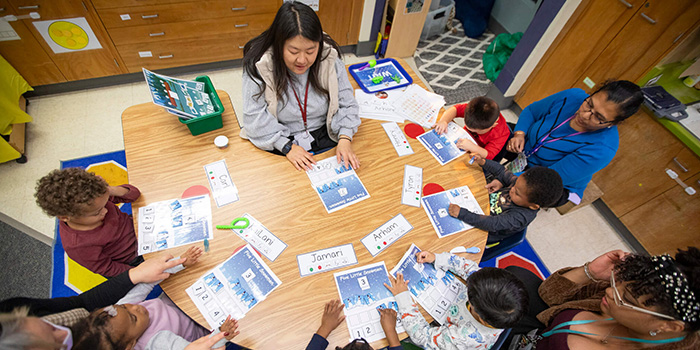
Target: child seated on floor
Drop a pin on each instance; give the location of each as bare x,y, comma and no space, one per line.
94,232
333,317
494,300
515,200
151,324
483,121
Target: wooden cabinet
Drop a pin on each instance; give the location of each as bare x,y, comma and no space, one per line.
341,20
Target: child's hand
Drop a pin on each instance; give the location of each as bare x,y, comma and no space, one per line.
466,145
454,210
494,186
192,256
478,159
398,286
387,318
425,257
440,128
229,328
206,342
332,317
117,191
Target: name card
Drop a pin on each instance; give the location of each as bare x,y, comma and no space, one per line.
412,185
261,238
326,259
397,138
385,235
222,187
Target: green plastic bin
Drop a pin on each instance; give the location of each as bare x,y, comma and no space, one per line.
208,122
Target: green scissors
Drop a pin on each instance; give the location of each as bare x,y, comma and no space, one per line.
236,224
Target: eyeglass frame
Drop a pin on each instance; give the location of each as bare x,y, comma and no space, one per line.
617,298
589,109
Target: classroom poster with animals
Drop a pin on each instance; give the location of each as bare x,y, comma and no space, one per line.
338,186
434,289
233,287
436,206
363,292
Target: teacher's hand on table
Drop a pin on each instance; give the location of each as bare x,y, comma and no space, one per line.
398,286
517,143
345,154
206,342
151,270
300,158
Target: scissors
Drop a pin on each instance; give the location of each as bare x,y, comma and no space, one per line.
236,224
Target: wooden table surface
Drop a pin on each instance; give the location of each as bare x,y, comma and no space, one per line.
164,159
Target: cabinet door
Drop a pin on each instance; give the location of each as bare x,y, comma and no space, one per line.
594,24
669,221
651,33
26,55
75,64
341,20
637,173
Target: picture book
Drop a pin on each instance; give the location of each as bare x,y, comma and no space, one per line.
436,206
338,186
444,147
184,98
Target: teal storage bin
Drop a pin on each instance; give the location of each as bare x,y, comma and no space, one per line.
208,122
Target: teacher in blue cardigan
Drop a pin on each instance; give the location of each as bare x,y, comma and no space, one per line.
575,133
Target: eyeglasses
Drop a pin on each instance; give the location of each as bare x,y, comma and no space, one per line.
588,106
620,302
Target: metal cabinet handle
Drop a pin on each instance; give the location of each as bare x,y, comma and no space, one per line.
241,25
149,16
629,6
165,56
2,9
649,19
239,8
156,34
31,7
678,162
241,46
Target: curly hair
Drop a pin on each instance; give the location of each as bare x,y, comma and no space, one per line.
93,332
544,186
640,271
481,113
66,192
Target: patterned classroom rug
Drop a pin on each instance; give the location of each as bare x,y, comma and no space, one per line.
521,255
451,64
68,278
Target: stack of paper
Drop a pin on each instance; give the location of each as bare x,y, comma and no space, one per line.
184,98
379,105
419,105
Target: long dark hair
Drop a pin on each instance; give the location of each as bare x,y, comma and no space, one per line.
292,19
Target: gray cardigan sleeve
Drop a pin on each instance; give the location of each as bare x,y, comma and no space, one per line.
261,127
167,340
347,118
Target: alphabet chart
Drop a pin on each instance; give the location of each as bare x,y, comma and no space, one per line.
419,105
436,205
337,186
174,222
363,292
233,287
434,289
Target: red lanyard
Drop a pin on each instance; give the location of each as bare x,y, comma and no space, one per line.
303,110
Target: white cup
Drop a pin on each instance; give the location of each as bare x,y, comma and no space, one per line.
221,141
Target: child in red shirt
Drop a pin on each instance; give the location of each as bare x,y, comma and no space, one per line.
94,232
483,121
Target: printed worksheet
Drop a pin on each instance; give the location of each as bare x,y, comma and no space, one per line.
379,105
444,147
233,287
434,289
363,292
419,105
177,95
174,222
337,186
436,205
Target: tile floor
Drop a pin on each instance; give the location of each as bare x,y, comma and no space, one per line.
82,123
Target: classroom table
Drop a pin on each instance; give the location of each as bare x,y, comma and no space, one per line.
164,159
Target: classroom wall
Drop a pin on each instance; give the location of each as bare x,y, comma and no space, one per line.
367,16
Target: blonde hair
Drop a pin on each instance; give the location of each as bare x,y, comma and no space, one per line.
13,337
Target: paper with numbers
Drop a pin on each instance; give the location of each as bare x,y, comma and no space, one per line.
261,238
397,138
386,234
233,287
363,292
337,186
419,105
222,187
326,259
174,222
434,289
436,206
444,147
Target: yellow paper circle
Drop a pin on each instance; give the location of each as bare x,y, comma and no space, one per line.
68,35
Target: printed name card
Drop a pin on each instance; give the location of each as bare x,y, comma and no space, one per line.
385,235
412,185
222,187
261,238
326,259
398,139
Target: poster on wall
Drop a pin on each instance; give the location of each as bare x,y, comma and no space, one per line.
68,35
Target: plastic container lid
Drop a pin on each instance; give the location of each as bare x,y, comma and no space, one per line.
221,141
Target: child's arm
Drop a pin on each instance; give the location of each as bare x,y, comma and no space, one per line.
387,318
499,172
471,147
446,261
512,220
123,194
332,317
446,118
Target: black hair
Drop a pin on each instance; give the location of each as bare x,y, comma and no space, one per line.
292,19
497,296
625,94
544,186
640,271
93,332
357,344
481,113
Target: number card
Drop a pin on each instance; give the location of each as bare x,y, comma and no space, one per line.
384,236
326,259
261,238
412,185
222,187
397,138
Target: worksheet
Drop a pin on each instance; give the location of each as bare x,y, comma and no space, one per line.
174,222
337,186
444,147
436,206
419,105
363,292
181,96
233,287
434,289
379,105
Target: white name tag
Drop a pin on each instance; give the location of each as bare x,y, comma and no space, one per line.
385,235
412,185
222,187
326,259
261,238
397,138
304,140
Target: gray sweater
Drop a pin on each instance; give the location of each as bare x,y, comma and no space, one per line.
266,131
